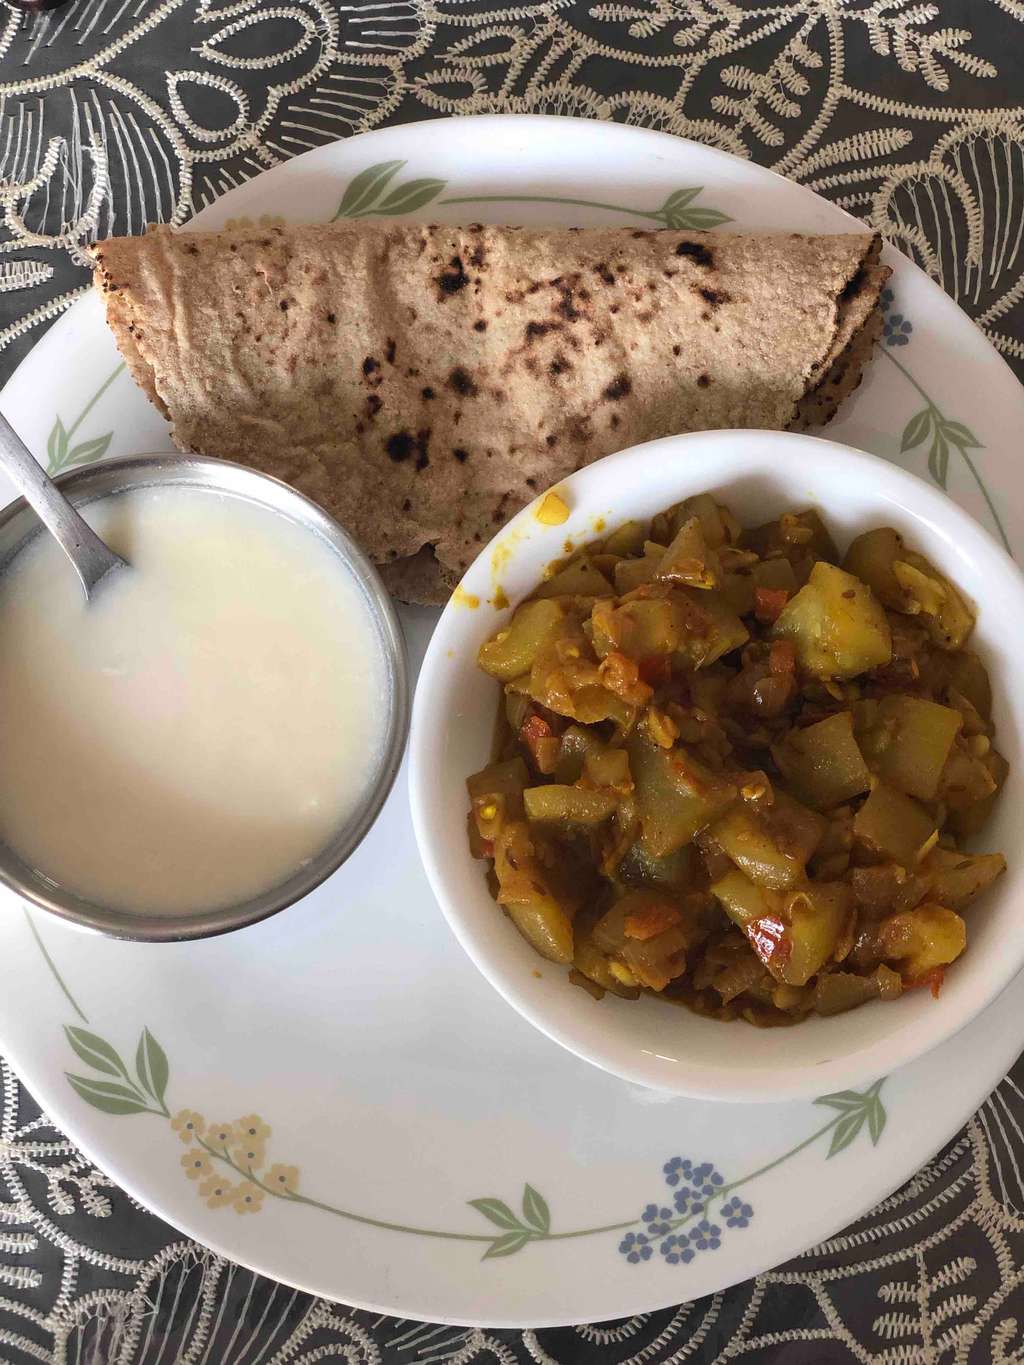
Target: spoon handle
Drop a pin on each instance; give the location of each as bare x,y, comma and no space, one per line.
91,558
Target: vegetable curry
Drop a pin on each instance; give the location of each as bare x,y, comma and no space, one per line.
735,769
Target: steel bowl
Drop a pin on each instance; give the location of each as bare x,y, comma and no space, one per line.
19,524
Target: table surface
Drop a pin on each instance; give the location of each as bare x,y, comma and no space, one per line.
114,113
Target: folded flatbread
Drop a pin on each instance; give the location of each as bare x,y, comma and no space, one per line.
423,383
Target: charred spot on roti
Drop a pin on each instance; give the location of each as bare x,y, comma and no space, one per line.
603,273
400,446
422,442
373,405
620,387
559,365
283,305
461,454
540,329
452,278
331,319
853,285
407,505
370,366
566,306
478,256
677,349
390,349
614,421
698,253
714,297
428,392
703,380
480,326
461,382
531,482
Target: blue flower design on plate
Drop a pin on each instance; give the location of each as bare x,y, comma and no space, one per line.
736,1213
688,1201
886,298
897,329
636,1247
658,1220
706,1236
679,1168
677,1250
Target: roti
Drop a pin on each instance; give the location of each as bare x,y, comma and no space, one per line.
423,383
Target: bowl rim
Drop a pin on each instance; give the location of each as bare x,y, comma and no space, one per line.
108,478
763,1084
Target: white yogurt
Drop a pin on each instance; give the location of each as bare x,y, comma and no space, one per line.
204,726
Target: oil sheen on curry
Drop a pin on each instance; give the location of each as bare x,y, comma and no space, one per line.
735,768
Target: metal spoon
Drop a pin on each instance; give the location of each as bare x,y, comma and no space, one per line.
92,559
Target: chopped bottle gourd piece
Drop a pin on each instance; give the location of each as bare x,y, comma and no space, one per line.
568,806
526,890
823,763
895,826
581,578
689,559
956,879
908,743
730,773
513,650
676,795
837,625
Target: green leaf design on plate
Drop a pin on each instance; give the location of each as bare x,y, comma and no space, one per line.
507,1245
152,1067
57,444
410,196
681,198
105,1095
876,1120
842,1099
535,1210
916,430
846,1131
498,1212
86,452
96,1052
365,188
697,220
856,1108
938,458
960,435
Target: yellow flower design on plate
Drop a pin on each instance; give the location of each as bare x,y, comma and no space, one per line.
221,1135
196,1164
217,1192
251,1129
282,1179
188,1125
248,1198
249,1155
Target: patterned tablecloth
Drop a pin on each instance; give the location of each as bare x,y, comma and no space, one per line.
910,113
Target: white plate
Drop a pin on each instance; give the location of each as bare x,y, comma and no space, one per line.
423,1150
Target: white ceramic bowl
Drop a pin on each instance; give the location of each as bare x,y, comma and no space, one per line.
759,474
